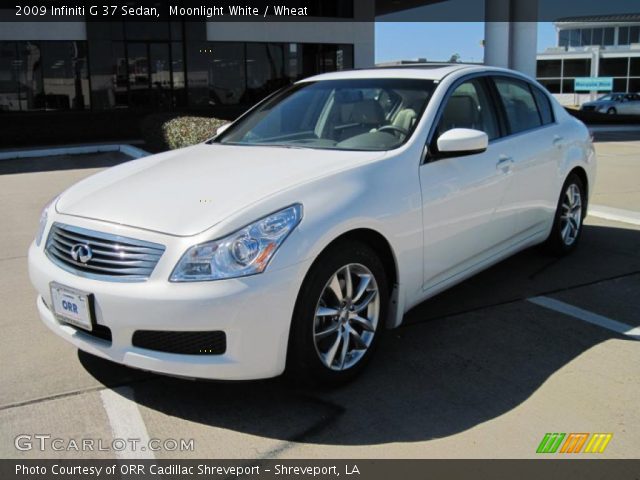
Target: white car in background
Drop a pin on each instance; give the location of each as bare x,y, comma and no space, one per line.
291,239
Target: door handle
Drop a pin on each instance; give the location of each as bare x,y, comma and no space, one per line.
504,163
557,140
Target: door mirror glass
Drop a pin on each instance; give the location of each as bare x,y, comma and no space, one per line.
462,141
222,128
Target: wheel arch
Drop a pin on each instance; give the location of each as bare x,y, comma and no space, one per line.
381,245
582,175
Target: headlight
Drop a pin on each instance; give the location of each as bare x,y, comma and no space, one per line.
245,252
43,220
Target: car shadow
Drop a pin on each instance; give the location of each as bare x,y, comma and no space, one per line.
464,357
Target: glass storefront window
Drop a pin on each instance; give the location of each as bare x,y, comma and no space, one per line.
574,39
563,38
65,75
576,68
597,36
226,74
107,73
608,35
138,59
344,57
9,97
619,84
613,67
160,69
548,68
551,84
634,67
623,35
177,74
29,73
265,70
216,73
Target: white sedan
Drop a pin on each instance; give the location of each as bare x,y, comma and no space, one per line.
315,220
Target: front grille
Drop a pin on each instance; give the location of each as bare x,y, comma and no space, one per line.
113,258
188,343
588,108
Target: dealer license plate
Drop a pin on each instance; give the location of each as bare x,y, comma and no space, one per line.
72,306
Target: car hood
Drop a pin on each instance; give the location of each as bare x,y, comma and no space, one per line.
187,191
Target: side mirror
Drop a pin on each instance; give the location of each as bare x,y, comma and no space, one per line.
462,141
222,128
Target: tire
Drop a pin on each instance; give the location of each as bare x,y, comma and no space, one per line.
568,216
612,111
316,351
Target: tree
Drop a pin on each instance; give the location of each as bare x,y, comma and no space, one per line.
455,58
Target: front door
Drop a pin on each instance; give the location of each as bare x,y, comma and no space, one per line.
460,194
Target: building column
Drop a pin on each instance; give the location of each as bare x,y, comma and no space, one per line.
513,43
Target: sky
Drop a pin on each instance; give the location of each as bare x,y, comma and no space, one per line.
437,41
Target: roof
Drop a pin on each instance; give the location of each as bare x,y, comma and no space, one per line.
431,71
613,18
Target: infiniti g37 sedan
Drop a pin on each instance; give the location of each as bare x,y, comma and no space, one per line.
311,223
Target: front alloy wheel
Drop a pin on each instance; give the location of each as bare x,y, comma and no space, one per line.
346,317
339,314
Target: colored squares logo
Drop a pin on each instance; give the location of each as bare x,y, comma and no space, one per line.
574,443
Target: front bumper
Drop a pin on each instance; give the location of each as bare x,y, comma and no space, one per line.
254,312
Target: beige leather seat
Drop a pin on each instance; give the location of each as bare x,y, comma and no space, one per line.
405,119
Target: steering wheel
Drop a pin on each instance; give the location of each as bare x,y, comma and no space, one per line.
394,128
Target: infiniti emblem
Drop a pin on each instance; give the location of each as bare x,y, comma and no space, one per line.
81,252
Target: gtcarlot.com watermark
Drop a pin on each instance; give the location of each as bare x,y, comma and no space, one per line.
44,442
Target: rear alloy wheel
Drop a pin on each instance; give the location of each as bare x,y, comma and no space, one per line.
612,111
339,314
570,213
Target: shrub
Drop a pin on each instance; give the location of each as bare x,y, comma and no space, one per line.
168,131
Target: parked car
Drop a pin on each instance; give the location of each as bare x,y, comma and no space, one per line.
315,220
615,103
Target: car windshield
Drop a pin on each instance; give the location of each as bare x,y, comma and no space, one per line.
349,114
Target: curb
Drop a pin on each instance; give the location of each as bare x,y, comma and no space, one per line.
129,150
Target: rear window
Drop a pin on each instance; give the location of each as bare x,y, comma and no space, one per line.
520,106
544,105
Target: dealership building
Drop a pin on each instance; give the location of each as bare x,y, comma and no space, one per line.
596,46
96,66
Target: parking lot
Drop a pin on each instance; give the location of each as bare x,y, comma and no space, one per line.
484,370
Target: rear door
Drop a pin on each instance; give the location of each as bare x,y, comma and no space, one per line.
535,146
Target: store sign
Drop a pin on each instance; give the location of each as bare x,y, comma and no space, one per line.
588,84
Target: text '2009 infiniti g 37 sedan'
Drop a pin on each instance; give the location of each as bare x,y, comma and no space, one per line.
311,223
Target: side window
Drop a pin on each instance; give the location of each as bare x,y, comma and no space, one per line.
522,112
544,106
469,107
